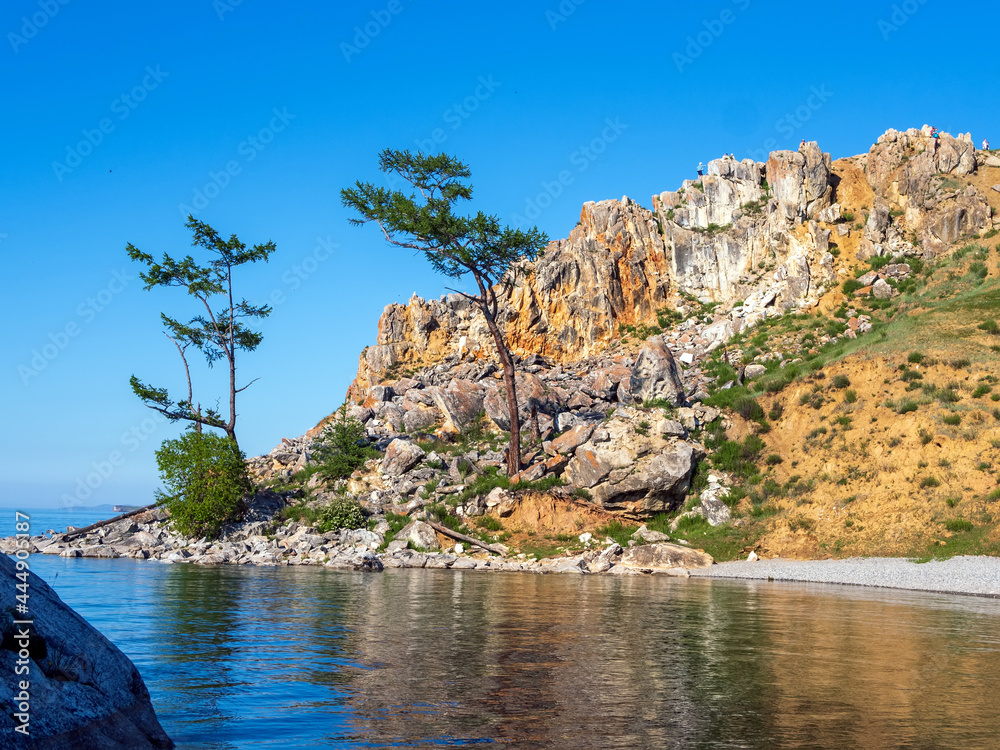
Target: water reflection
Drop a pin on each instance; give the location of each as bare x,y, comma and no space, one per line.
296,658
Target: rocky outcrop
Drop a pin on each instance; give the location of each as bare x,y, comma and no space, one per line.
918,200
715,239
83,692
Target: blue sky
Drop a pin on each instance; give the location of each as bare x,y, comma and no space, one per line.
118,117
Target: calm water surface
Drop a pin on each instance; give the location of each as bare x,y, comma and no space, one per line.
304,658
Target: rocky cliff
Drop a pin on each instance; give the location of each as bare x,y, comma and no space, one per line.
753,237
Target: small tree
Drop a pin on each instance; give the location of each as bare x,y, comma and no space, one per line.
454,245
343,447
205,478
218,333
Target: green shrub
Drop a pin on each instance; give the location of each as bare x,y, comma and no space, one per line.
952,419
342,513
205,480
850,395
490,523
906,406
981,390
929,482
850,286
958,524
618,531
343,448
738,458
915,358
990,326
773,459
841,381
748,408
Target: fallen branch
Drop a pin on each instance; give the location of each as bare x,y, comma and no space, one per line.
87,529
468,539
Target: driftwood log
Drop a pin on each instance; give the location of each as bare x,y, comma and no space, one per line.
87,529
467,539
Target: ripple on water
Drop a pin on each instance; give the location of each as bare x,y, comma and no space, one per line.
299,658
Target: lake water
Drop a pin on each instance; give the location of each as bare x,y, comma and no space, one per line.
305,658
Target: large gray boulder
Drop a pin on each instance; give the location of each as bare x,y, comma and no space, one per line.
400,457
84,692
653,485
531,391
664,556
421,534
461,403
655,374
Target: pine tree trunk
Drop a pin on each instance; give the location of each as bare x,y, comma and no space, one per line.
514,447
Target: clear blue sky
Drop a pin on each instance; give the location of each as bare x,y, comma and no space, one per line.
118,115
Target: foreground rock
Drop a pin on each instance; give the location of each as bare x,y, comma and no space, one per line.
664,556
84,692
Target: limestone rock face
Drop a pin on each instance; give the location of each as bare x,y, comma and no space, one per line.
800,181
752,236
655,374
84,691
664,556
911,173
622,264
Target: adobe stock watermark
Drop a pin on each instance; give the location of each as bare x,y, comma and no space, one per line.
123,106
562,12
714,28
105,467
459,112
364,34
787,125
30,26
86,313
582,158
224,7
293,278
249,149
901,13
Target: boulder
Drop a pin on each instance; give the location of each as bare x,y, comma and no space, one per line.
655,374
664,556
882,290
572,439
420,419
586,468
461,403
655,484
531,391
716,512
85,693
753,371
400,457
420,534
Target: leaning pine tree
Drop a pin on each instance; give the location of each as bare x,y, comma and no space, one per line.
455,245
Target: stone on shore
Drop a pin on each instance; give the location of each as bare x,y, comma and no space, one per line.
664,556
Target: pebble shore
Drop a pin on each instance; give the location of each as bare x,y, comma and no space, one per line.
978,576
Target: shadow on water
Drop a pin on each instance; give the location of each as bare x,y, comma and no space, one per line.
299,658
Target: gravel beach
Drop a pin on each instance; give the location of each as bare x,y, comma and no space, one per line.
979,576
